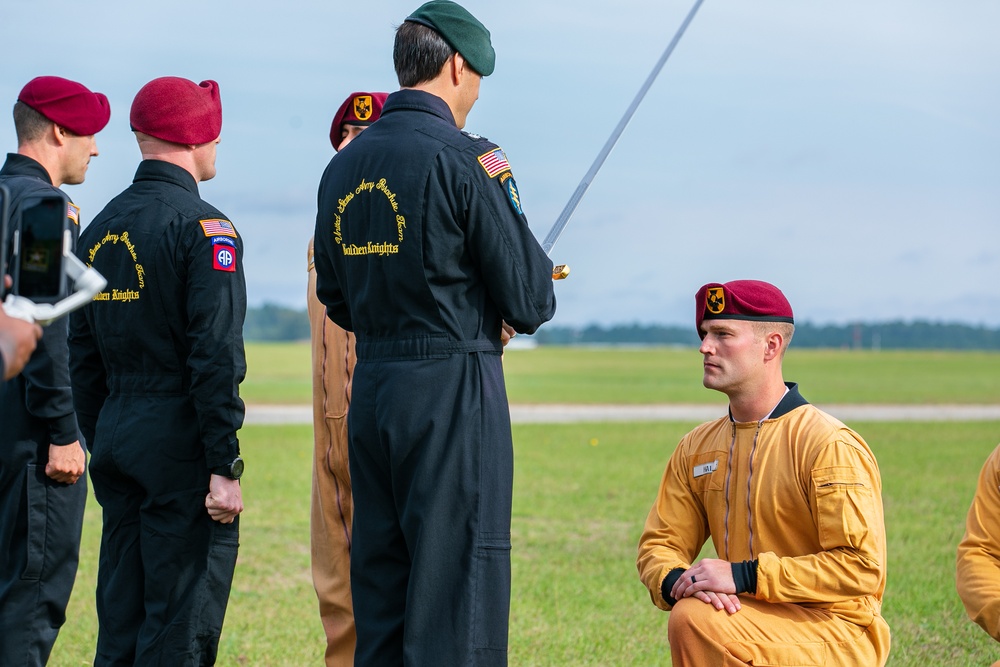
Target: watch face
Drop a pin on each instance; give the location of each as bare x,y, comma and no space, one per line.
237,468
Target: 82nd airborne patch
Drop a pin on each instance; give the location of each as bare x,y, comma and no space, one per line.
223,254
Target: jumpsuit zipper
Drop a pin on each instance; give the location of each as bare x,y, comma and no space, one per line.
729,474
753,451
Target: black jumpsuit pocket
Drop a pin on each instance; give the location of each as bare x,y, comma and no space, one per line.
492,598
36,498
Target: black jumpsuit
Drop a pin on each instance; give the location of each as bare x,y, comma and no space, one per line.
422,250
157,360
40,519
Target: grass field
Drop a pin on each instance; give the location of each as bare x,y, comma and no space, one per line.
279,373
581,494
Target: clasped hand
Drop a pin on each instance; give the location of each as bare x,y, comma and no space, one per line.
711,581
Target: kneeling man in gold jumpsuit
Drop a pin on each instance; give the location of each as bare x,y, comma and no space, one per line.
791,499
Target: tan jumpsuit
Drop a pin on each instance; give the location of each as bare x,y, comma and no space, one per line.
333,360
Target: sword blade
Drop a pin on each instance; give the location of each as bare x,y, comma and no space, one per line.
560,224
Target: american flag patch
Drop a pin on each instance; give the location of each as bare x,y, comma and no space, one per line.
494,162
218,227
73,213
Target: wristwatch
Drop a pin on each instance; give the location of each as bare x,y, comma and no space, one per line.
232,470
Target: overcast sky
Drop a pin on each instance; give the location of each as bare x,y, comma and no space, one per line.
847,151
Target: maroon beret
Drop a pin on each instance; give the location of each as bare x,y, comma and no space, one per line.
357,109
67,103
178,110
741,300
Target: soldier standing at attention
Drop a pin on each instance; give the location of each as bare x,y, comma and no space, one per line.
157,363
423,251
41,452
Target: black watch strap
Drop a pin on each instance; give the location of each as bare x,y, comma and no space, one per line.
232,470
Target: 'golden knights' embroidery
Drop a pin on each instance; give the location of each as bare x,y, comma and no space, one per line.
363,107
368,248
124,295
715,300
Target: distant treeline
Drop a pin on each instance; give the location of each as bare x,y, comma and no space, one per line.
871,336
278,323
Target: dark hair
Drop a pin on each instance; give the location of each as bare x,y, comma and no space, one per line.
28,123
418,54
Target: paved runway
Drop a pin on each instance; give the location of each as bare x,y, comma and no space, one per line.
563,414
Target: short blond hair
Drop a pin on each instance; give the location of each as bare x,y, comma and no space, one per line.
786,329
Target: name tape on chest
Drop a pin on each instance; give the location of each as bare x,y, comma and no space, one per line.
218,227
705,469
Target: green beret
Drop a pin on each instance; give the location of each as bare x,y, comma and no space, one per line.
461,30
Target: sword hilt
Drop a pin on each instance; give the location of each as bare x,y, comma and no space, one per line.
560,271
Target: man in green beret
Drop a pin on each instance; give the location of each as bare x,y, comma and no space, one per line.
423,251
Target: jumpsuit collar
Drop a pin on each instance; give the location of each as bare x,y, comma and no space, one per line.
158,170
22,165
791,400
418,100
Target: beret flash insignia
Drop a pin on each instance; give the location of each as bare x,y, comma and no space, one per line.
715,300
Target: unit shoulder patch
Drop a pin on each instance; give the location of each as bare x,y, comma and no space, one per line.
223,255
225,240
218,227
510,187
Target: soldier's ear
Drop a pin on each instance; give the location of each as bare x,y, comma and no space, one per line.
459,69
773,343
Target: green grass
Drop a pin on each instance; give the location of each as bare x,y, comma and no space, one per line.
673,375
581,495
280,373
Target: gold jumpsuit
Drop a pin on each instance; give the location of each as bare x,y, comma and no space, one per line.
978,572
800,493
333,360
